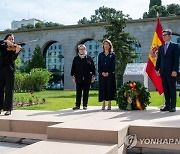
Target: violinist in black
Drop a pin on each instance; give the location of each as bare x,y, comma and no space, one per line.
8,54
82,71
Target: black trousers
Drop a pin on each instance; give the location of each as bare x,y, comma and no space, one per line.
6,88
84,87
169,86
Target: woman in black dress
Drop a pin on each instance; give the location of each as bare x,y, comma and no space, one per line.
106,69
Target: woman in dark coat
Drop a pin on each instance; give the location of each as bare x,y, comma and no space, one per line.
82,72
106,69
7,69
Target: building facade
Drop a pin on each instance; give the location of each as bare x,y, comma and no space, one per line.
17,24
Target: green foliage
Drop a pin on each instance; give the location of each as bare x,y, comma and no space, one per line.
163,11
136,92
154,2
17,62
37,60
46,24
101,15
39,78
173,9
19,81
29,26
36,80
40,24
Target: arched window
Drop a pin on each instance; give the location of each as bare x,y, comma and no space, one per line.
55,63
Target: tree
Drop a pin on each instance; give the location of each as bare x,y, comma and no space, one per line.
153,12
40,24
164,11
173,9
101,15
37,60
29,26
154,2
122,41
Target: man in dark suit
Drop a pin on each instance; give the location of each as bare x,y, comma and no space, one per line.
82,71
167,65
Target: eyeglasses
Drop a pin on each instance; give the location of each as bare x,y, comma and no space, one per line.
164,35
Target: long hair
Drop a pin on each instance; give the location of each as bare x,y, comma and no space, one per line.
8,36
110,44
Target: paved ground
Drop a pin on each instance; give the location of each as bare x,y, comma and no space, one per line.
9,144
6,148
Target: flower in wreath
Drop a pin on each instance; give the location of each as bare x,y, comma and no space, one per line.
133,96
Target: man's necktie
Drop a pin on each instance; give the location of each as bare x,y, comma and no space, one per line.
165,48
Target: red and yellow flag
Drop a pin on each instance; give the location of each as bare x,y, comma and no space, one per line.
150,69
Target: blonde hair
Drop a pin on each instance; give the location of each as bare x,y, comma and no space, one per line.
110,44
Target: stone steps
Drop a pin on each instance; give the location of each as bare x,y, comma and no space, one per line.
23,135
94,131
87,135
67,147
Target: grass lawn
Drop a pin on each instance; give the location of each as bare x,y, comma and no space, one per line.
57,100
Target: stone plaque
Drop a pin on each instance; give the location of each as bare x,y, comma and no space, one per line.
136,72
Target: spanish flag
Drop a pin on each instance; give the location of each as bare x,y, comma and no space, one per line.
150,69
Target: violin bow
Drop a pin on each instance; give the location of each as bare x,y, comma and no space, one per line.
23,43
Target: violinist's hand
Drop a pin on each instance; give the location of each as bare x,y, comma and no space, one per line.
73,79
9,43
174,74
107,74
157,73
92,79
18,48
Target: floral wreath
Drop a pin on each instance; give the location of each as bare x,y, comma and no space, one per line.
133,96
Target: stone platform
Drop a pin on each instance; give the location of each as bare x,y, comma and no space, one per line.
93,130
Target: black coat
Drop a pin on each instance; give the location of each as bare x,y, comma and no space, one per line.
7,57
107,85
83,69
7,69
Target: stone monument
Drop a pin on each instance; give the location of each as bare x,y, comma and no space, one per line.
136,72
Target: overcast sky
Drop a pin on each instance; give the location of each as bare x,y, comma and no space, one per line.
67,12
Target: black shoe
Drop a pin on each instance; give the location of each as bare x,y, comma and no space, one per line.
76,108
172,110
7,113
85,107
164,109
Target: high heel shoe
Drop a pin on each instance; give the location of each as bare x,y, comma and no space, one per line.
109,106
103,106
7,113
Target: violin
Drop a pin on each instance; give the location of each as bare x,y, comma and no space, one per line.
14,46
